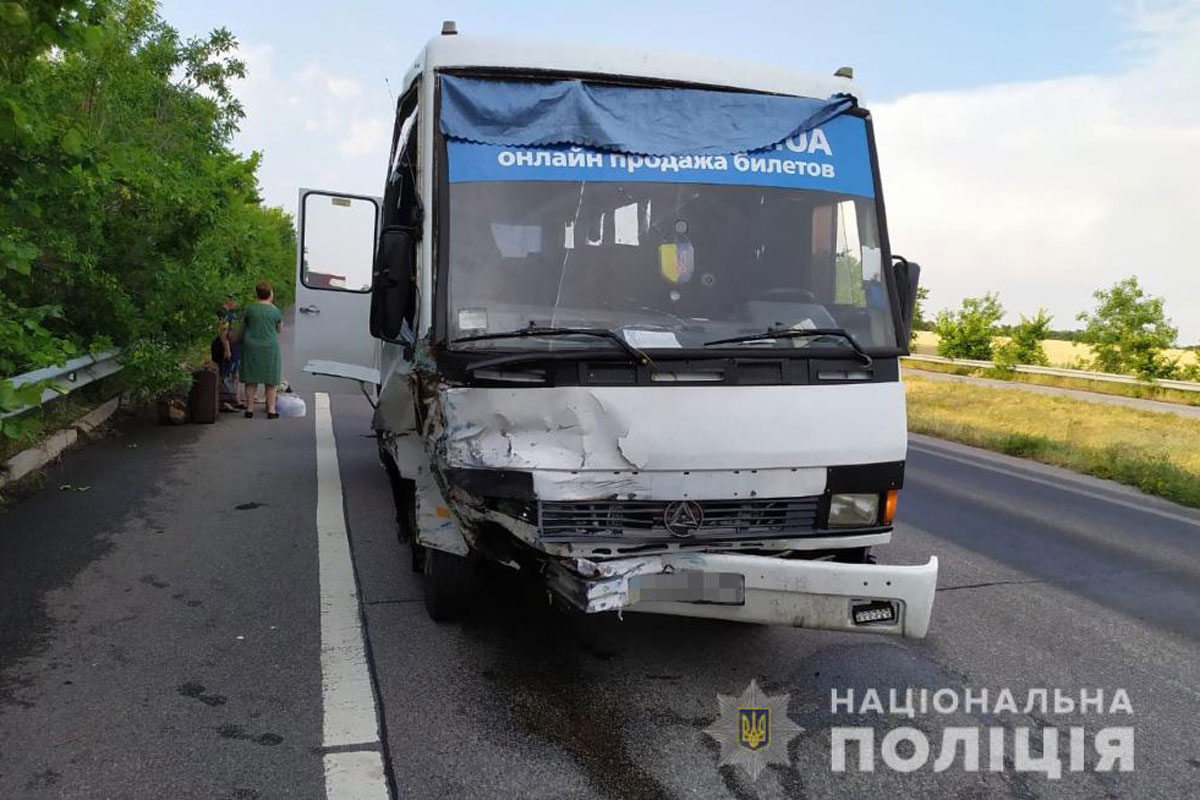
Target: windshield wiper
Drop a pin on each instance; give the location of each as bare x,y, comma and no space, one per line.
537,330
799,333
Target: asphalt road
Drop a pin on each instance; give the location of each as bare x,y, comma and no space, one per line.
159,637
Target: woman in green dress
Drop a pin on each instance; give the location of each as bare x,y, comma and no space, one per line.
260,349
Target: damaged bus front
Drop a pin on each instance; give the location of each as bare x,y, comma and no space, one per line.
635,335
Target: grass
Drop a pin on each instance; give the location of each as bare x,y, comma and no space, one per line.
1138,390
1060,353
1156,452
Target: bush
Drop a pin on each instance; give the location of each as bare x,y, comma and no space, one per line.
968,332
1128,332
1024,345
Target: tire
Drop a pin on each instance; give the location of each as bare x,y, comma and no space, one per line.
449,584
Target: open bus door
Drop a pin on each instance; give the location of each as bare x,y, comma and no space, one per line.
332,344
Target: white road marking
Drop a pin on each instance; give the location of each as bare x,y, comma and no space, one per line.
355,776
1066,487
350,712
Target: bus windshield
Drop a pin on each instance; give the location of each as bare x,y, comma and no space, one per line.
684,263
665,262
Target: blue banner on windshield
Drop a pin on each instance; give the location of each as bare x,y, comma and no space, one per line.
831,158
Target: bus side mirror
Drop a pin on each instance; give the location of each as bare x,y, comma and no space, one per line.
908,280
392,288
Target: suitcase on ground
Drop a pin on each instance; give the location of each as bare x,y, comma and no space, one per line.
203,397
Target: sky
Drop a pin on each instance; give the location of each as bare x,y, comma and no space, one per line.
1040,150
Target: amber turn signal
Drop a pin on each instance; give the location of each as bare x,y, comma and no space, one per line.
889,507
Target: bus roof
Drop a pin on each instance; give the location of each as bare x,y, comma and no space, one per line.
444,52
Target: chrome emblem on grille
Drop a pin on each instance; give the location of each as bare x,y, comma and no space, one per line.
683,518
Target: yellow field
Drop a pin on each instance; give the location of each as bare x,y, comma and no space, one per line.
1157,452
1060,353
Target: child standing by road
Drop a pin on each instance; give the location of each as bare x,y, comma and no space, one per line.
227,353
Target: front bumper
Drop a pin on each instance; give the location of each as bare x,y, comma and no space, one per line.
777,591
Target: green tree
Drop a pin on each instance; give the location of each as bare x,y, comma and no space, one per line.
1128,332
28,32
919,322
1024,345
968,332
125,214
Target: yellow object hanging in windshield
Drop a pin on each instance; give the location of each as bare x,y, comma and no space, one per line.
677,261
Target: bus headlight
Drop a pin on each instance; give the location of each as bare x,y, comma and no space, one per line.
853,510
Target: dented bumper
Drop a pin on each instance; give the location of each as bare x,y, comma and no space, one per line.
804,594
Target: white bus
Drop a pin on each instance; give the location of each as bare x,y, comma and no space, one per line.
631,322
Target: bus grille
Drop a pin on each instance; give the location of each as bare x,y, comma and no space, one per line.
647,518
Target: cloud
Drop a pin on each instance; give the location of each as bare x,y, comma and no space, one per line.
327,121
1046,191
367,137
315,128
342,87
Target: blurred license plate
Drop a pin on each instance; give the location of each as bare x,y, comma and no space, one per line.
689,586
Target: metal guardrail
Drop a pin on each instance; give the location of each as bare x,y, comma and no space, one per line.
1062,372
74,374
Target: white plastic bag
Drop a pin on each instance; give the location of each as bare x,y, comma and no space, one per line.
290,405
